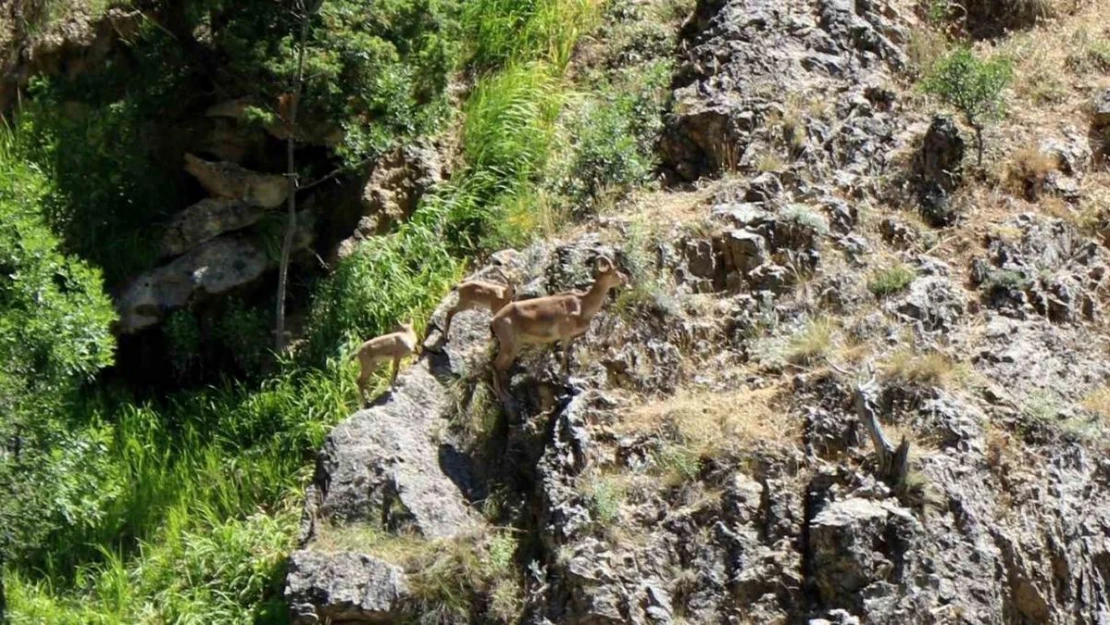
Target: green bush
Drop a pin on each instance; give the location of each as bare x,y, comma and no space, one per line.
890,280
54,335
614,136
245,333
973,86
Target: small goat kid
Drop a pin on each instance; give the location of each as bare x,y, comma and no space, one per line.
555,318
479,294
393,346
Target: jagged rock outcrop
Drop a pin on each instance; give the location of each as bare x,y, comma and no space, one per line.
212,258
741,56
393,188
215,267
343,588
1101,113
1038,266
700,463
939,170
231,181
68,48
206,220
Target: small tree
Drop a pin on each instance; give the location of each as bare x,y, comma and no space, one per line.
973,86
304,12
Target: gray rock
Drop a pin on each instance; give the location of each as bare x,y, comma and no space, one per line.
743,251
228,180
1072,152
738,57
933,302
854,544
215,267
763,188
206,220
939,169
384,467
393,188
343,587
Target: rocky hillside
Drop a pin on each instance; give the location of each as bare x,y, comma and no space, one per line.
829,281
857,374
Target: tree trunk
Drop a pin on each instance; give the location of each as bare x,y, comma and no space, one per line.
893,463
291,174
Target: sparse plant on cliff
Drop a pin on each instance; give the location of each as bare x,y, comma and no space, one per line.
973,86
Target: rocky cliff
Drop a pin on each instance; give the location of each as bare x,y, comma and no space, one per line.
709,459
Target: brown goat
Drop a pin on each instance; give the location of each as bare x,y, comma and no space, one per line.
388,347
475,294
555,318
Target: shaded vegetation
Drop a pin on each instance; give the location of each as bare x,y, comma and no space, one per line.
182,509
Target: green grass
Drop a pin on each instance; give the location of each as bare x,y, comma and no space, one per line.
185,510
199,506
890,280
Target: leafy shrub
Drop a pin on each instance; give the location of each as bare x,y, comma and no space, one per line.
614,136
890,280
54,335
1006,280
973,86
606,496
806,217
390,65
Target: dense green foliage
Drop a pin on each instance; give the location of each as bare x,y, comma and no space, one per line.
54,320
973,86
182,510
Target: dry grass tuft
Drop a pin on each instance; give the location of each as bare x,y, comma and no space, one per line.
813,342
928,369
1001,450
1098,401
399,549
1028,170
709,423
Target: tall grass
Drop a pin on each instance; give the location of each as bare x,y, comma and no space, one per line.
499,32
202,506
195,498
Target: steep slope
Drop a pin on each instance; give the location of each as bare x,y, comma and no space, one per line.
709,461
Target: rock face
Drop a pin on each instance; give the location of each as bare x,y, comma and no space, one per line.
740,56
699,465
70,48
206,220
382,466
350,587
939,169
215,267
1101,118
228,180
